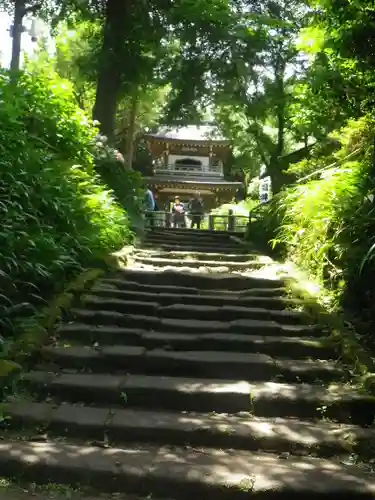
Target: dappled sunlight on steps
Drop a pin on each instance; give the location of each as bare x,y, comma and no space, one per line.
193,373
183,471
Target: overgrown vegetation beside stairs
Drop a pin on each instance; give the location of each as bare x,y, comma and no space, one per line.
58,217
325,225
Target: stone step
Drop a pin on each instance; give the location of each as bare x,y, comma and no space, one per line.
200,270
210,364
196,240
289,347
274,303
232,236
242,431
155,323
204,282
188,235
178,310
202,472
185,247
190,239
199,232
232,313
195,246
195,263
262,399
204,256
193,235
177,290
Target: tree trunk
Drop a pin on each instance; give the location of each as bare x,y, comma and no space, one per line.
280,107
275,168
277,177
19,12
111,66
129,146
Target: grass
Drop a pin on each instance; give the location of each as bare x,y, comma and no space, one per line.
58,216
320,306
16,490
60,221
39,328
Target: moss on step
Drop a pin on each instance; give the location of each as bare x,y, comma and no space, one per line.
22,490
9,372
36,330
8,367
342,335
119,260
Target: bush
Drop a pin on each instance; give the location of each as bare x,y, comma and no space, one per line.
265,223
240,211
327,226
57,216
127,185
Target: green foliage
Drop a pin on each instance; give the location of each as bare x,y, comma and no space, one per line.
318,157
327,225
257,93
314,216
127,184
75,58
56,214
265,221
77,53
346,39
299,74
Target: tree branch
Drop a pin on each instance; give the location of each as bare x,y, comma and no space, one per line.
33,9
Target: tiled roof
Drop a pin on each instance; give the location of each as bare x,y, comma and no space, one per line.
190,133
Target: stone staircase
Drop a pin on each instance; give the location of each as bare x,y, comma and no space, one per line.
191,374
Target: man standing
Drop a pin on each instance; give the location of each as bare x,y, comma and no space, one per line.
196,210
149,206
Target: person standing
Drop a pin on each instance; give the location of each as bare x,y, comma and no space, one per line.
149,206
196,210
157,216
178,213
156,207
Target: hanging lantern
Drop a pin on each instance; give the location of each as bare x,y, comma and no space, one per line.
35,31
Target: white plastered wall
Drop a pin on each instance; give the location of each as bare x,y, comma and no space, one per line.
203,159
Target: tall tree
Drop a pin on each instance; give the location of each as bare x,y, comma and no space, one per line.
136,36
19,9
115,47
348,28
258,81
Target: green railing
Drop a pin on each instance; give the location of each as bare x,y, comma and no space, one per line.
209,222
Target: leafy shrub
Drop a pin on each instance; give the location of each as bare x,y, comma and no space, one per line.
327,226
240,211
265,222
315,221
127,185
57,216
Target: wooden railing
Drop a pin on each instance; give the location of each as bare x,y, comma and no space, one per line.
189,170
256,213
210,222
